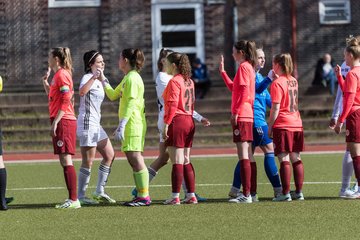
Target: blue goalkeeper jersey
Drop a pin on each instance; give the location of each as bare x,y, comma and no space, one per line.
262,100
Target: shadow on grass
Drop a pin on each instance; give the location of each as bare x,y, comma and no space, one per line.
159,202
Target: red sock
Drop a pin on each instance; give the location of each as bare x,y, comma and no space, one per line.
245,173
253,178
356,163
177,176
285,175
70,180
189,177
298,169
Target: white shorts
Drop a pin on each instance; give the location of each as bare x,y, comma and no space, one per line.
90,138
161,125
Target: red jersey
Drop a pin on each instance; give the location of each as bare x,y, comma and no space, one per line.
243,93
179,98
61,95
351,85
284,90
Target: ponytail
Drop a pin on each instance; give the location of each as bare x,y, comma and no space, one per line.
285,62
64,56
353,47
249,49
135,56
182,63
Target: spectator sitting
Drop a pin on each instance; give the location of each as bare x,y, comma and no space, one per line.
201,78
324,73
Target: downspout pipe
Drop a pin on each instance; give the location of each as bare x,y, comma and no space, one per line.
293,37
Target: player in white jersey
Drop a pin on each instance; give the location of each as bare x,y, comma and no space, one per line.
161,82
347,165
92,136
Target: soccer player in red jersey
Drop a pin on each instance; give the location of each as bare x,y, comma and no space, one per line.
179,128
285,126
242,114
62,117
351,105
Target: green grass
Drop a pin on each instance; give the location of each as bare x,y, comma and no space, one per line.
37,187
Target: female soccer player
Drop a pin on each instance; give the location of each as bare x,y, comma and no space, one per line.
347,164
261,138
91,134
3,176
351,105
62,117
285,126
179,128
161,82
132,124
242,115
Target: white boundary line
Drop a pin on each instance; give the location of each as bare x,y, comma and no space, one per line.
157,186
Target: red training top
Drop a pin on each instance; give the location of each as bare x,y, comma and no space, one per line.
179,98
61,95
351,91
284,90
243,92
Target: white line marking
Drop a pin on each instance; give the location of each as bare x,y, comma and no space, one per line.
157,186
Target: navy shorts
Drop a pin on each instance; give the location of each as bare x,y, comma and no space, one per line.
261,136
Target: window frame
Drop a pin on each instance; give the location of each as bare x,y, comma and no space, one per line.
322,13
73,3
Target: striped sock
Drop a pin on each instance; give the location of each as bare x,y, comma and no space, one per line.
103,174
83,181
152,173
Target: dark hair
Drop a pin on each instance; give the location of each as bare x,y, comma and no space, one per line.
163,54
249,49
285,62
182,63
353,47
64,55
89,59
135,56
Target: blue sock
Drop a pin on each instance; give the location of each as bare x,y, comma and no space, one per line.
237,179
271,170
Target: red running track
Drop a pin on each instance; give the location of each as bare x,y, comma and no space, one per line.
154,152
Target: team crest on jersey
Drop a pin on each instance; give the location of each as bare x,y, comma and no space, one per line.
60,143
236,132
347,132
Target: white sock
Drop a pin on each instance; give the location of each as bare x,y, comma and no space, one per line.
347,171
152,173
83,181
103,175
175,195
190,195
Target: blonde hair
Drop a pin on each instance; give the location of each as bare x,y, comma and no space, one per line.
353,46
285,62
64,56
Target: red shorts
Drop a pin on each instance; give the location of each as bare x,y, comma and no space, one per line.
353,127
65,140
243,132
287,141
181,132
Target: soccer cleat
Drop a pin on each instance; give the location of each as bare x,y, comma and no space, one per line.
283,198
355,187
355,195
190,200
233,194
134,193
139,202
297,196
200,199
241,199
9,200
346,194
87,201
69,204
103,198
254,198
3,206
172,201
